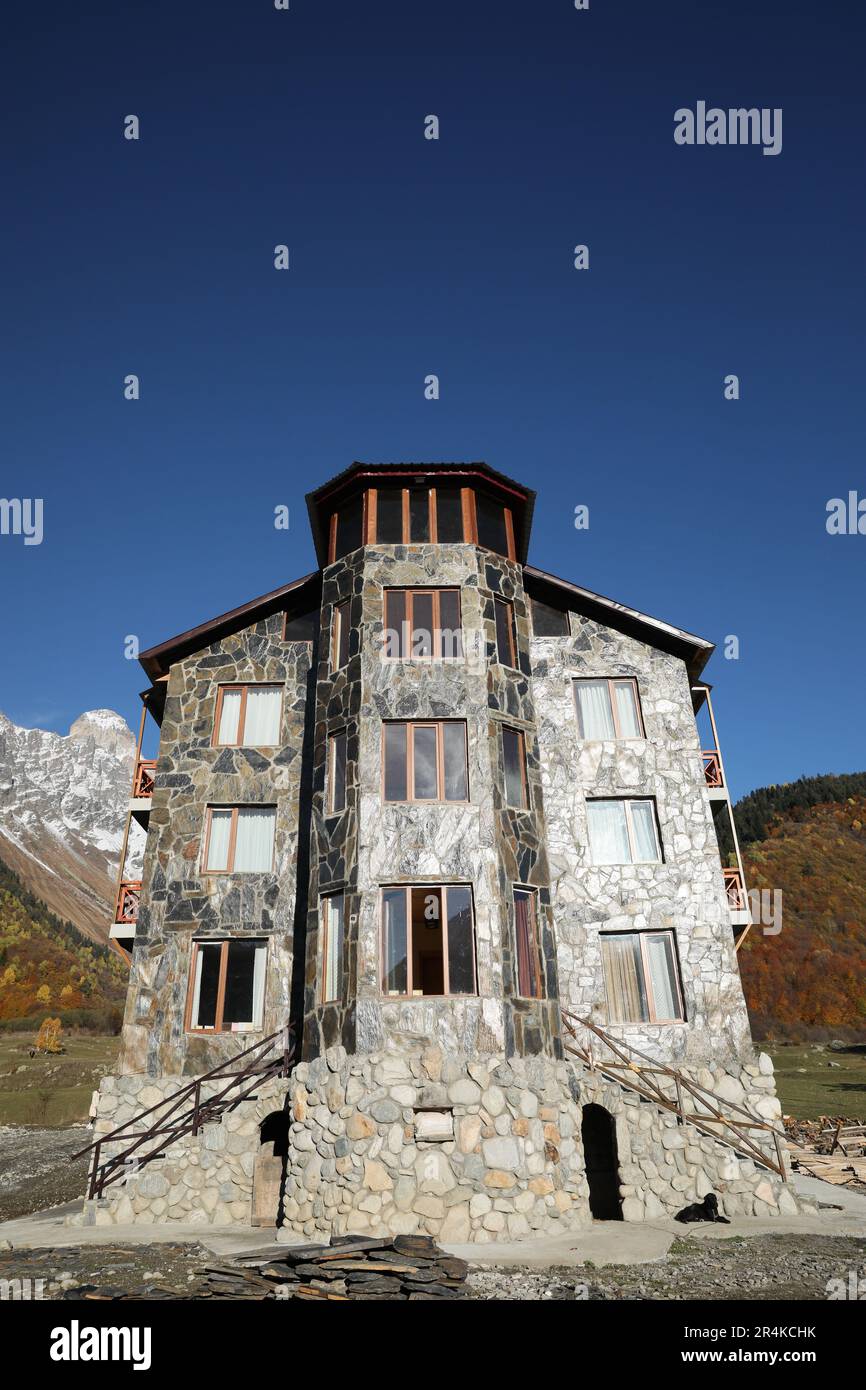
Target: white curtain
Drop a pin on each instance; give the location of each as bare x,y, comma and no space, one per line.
643,827
262,722
229,716
608,833
659,951
259,985
218,840
196,989
254,846
593,703
626,710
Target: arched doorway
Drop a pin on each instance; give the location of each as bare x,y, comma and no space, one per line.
602,1166
269,1174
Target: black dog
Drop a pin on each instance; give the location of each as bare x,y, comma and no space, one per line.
707,1210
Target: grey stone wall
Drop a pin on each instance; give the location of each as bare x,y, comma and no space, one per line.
685,893
179,902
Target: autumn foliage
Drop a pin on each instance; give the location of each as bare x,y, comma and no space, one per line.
49,1037
808,983
48,964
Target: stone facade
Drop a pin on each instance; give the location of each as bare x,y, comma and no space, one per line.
458,1116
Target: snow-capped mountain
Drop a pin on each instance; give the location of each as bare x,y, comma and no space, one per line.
63,803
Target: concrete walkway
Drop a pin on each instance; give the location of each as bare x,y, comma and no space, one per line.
603,1243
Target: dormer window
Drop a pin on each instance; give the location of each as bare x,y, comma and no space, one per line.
421,511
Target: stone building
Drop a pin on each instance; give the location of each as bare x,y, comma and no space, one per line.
450,818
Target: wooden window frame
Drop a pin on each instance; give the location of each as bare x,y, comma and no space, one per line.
642,937
627,802
369,513
242,716
442,890
330,808
340,613
524,776
224,943
508,605
324,919
437,653
439,725
611,682
233,834
535,943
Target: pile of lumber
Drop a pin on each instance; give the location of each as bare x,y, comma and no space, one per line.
350,1268
832,1148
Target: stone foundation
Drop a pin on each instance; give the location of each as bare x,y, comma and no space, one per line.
412,1141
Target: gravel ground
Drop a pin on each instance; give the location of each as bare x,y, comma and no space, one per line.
787,1268
35,1168
794,1268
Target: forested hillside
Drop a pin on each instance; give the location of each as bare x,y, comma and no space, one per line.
808,839
48,968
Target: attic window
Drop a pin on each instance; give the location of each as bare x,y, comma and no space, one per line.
547,621
301,627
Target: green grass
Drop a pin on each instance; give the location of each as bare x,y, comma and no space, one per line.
808,1086
47,1090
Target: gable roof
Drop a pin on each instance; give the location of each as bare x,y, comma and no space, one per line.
694,651
157,660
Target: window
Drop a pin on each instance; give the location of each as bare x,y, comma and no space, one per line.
340,635
301,627
428,940
514,760
227,986
333,911
422,623
248,716
425,761
239,839
547,621
449,515
506,637
623,832
347,526
528,953
608,708
493,522
337,748
641,977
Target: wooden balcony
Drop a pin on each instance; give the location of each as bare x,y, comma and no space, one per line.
735,889
128,899
142,783
713,768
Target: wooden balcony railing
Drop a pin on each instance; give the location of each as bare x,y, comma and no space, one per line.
142,783
735,889
712,767
128,899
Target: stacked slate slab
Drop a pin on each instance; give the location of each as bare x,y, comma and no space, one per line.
407,1268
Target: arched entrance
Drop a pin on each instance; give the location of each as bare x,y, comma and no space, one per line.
602,1166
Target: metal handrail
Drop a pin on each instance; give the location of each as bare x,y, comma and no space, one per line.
640,1080
103,1174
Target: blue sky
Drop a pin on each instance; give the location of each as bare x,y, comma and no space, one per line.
453,257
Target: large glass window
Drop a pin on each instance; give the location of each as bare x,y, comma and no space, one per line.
623,831
347,527
248,716
449,515
514,761
425,761
641,977
608,709
422,623
529,976
491,523
428,940
239,839
227,986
